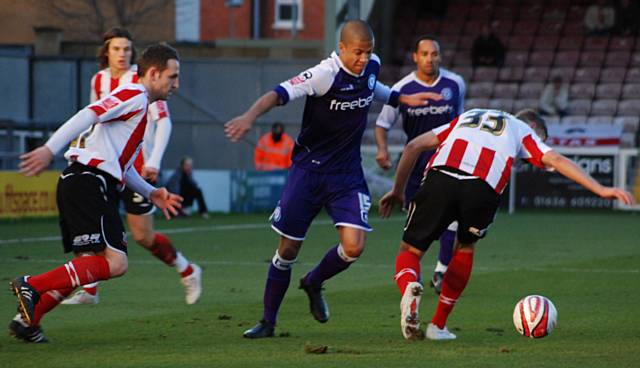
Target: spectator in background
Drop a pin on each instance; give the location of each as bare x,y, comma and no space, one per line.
600,18
627,15
182,181
273,151
555,98
487,49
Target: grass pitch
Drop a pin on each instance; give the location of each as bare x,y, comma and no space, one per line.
588,264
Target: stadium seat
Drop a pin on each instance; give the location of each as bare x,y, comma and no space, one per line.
557,12
473,28
621,44
573,28
609,90
466,72
567,58
449,42
600,120
635,59
502,27
505,90
633,75
612,74
482,10
589,74
582,90
504,13
617,58
536,74
574,119
526,103
473,103
566,72
629,124
592,58
541,58
448,55
511,74
452,27
530,90
519,43
525,27
480,89
545,43
576,13
516,58
503,104
631,90
579,106
550,119
530,12
428,26
604,107
596,43
629,107
465,44
485,74
550,28
462,58
570,43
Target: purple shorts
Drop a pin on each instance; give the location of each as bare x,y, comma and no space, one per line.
345,196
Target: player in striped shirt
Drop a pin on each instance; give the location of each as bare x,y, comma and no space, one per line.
87,191
115,58
463,181
428,77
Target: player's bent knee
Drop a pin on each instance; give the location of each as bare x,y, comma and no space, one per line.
353,249
118,263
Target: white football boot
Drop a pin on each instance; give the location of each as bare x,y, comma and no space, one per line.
193,285
81,297
435,333
409,305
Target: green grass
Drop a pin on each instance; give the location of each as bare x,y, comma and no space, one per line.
588,264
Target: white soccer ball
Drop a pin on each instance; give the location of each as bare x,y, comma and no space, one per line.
535,316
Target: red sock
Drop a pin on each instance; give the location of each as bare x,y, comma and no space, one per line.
187,271
163,249
407,269
77,272
48,301
454,282
93,290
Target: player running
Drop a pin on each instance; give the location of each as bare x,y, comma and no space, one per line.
326,169
463,181
87,191
116,57
428,77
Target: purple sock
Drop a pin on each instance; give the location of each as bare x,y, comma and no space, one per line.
331,265
274,290
446,246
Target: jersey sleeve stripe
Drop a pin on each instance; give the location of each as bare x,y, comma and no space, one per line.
535,152
123,117
456,154
443,132
282,93
504,178
132,144
127,94
485,161
99,110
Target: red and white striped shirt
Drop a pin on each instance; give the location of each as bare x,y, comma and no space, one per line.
156,138
485,143
116,137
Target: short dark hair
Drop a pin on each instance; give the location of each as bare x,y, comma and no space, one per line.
156,55
423,38
532,116
103,59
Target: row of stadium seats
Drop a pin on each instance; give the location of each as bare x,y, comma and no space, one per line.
580,90
542,74
526,42
587,107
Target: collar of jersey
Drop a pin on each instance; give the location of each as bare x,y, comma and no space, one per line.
335,56
420,81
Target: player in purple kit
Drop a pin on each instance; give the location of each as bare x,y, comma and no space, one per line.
428,77
326,169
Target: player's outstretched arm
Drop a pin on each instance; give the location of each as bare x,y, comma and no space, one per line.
168,202
572,171
419,99
237,127
382,156
34,162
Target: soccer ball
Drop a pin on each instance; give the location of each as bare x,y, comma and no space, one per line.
535,316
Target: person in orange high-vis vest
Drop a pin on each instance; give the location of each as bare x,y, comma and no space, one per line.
273,151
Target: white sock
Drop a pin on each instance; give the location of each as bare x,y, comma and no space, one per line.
181,263
440,267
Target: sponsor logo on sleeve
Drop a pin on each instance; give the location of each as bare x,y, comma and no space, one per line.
301,78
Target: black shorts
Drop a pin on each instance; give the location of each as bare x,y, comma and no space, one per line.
443,199
136,204
88,205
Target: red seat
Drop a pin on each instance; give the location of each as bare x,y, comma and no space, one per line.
485,74
530,90
566,72
582,90
516,58
573,28
505,90
589,74
609,90
579,107
604,107
466,72
621,43
458,10
629,107
545,43
481,89
612,74
536,74
428,26
502,27
635,59
596,43
633,75
526,103
592,58
525,27
541,58
566,58
502,104
600,120
576,13
530,12
617,58
473,28
511,74
448,42
452,27
631,90
570,43
476,103
482,10
550,28
504,12
520,42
